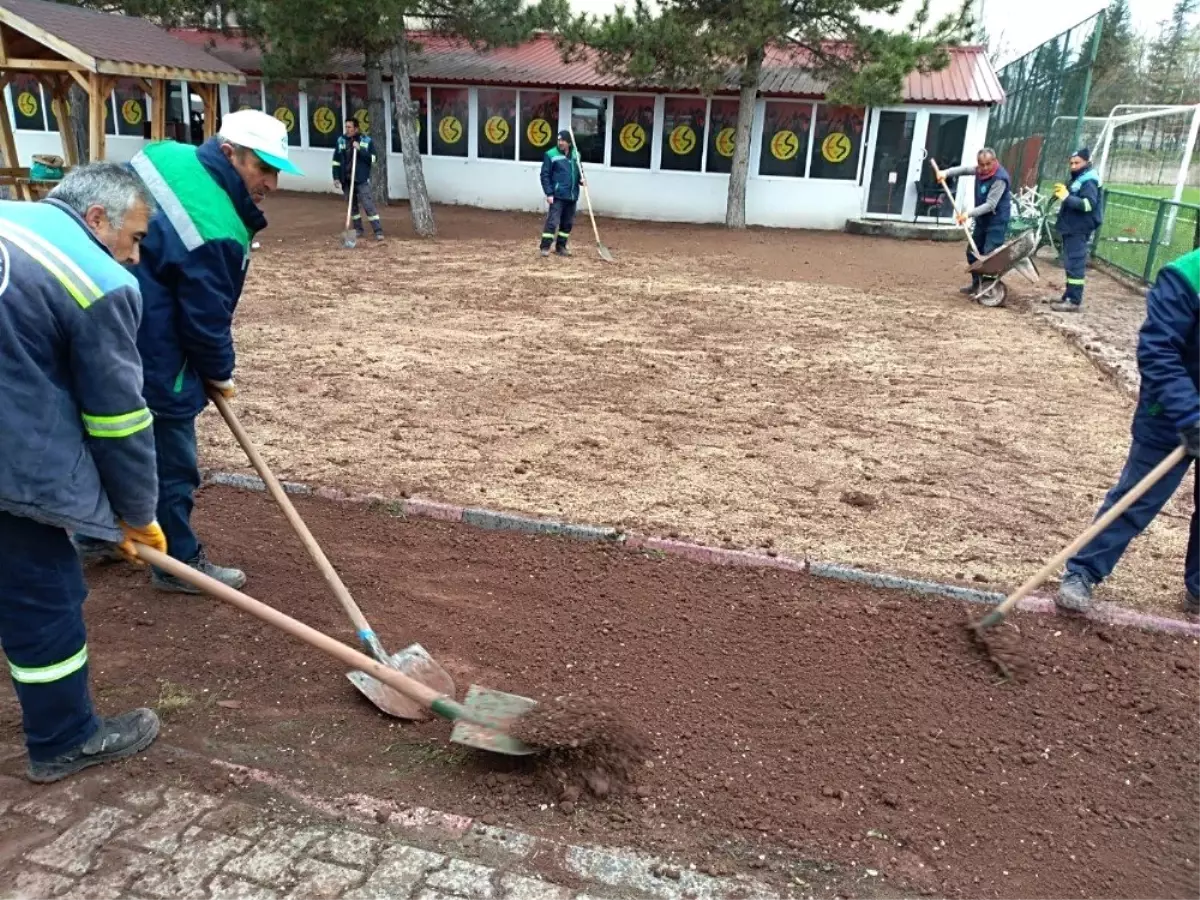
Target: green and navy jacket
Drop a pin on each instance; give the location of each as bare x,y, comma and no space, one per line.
560,176
1080,212
76,443
342,160
192,270
1168,355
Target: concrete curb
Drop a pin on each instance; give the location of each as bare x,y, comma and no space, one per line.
1107,613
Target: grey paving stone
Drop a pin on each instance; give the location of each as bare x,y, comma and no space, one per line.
400,870
200,853
72,851
162,829
464,879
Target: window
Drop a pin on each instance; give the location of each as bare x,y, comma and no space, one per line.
131,108
324,114
785,139
283,102
450,121
52,111
356,106
420,96
589,122
722,133
683,133
539,123
837,141
26,101
497,124
246,96
633,131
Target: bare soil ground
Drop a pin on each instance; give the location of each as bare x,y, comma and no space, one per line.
789,718
824,394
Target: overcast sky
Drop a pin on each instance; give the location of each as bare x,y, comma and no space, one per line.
1020,24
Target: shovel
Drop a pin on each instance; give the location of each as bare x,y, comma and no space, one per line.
349,236
954,204
484,721
600,248
414,660
997,614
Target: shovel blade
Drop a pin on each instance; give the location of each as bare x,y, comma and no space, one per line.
349,239
415,662
495,713
604,253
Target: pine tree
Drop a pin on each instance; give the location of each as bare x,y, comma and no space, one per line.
709,44
1168,61
1114,73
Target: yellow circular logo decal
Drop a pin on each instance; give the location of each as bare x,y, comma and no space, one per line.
27,104
539,133
450,130
287,117
496,129
363,118
836,147
324,119
682,140
246,106
131,111
632,137
724,142
785,145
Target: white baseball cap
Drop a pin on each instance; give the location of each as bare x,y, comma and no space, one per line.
263,134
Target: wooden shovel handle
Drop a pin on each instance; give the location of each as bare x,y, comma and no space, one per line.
1132,496
440,704
328,572
954,204
350,195
587,196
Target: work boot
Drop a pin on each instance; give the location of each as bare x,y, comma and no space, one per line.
544,252
563,251
1191,603
116,738
234,578
379,235
1074,594
1066,306
92,549
970,291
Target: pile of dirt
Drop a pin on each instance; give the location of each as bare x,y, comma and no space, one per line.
787,717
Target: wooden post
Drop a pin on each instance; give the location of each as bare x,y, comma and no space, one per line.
158,110
98,88
8,143
58,87
208,93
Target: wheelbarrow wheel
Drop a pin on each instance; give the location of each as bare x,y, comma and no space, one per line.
993,295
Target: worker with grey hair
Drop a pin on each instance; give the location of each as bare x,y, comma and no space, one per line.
991,212
76,450
193,267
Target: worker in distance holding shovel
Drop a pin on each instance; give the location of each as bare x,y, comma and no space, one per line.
992,210
350,145
561,178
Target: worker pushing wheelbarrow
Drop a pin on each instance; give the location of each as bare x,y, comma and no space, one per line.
989,256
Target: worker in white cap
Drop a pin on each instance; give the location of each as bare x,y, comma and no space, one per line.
194,261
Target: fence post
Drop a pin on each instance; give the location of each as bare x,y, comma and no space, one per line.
1152,253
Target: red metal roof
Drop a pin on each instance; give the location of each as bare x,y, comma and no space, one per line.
969,80
120,39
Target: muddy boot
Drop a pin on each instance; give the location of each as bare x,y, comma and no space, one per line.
94,550
1065,306
563,251
544,252
972,290
116,738
234,578
1074,594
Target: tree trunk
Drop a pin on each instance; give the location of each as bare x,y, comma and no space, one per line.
377,112
735,201
78,99
406,123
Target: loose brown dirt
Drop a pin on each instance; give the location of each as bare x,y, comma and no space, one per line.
785,716
822,394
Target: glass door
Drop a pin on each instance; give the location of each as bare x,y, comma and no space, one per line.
889,188
945,137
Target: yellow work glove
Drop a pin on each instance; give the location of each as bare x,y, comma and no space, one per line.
1060,192
226,389
961,218
151,535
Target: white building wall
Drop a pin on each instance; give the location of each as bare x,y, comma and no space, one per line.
653,195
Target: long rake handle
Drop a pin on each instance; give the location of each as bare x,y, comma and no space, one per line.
587,195
954,203
1134,494
444,706
353,175
328,572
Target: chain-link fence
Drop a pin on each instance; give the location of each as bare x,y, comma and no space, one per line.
1141,234
1042,118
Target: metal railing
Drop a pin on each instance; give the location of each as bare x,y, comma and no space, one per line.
1141,234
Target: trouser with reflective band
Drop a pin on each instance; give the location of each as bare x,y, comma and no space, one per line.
560,219
364,201
178,479
41,629
1075,257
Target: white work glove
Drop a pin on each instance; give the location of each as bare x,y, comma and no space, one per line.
226,388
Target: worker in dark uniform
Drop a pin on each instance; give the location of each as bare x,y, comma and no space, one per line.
561,178
991,213
1079,216
349,145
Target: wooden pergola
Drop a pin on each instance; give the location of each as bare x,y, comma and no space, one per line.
62,45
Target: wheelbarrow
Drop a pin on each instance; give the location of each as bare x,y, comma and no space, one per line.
1014,256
